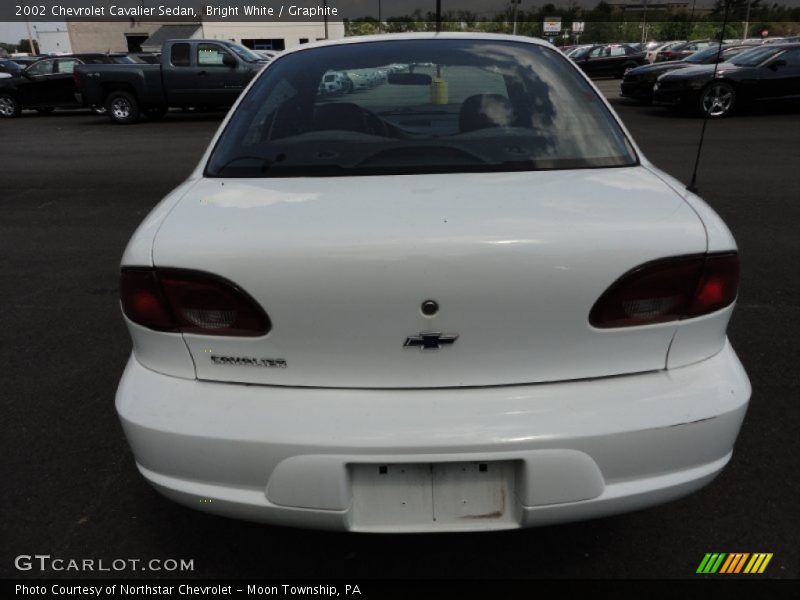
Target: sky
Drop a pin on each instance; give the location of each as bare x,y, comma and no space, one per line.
12,33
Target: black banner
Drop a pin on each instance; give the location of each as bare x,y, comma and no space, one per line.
456,11
370,589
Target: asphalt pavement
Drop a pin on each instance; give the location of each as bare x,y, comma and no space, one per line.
72,190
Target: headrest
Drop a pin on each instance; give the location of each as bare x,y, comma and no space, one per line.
485,110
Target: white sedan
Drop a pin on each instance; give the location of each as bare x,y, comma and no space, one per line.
652,53
461,303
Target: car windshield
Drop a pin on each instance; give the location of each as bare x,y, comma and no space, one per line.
425,106
245,53
751,58
579,52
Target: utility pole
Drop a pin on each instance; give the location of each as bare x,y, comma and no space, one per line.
516,4
438,16
380,18
325,15
644,23
30,37
746,22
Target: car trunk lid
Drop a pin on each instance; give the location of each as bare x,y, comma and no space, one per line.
515,262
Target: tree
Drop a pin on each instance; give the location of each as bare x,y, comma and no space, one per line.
602,8
737,9
8,48
24,46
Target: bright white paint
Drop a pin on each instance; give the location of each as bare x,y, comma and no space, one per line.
595,424
284,455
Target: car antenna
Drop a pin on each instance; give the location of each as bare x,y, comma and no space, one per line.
692,187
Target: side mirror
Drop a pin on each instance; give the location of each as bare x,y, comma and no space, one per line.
229,61
777,64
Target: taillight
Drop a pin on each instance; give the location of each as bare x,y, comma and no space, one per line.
669,290
190,302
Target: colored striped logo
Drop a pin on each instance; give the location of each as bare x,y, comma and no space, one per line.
734,562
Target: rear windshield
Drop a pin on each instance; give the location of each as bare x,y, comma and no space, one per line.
244,53
755,57
420,106
9,66
703,55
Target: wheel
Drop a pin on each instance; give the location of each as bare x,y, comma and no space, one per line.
9,107
155,113
99,110
45,110
123,108
717,99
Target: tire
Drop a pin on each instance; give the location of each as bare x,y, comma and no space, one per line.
45,110
717,100
155,113
9,106
123,108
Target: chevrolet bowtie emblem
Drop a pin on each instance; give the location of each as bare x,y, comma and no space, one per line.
430,340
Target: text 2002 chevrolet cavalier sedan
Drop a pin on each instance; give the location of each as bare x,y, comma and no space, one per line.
459,300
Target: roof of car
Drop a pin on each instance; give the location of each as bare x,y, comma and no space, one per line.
445,35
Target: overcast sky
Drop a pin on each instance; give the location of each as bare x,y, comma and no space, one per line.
14,32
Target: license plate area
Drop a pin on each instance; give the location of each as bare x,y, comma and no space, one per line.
462,495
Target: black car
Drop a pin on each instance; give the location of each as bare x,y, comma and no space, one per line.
638,83
770,72
610,60
47,84
24,61
684,50
9,67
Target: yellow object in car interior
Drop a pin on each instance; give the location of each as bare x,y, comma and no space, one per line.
439,92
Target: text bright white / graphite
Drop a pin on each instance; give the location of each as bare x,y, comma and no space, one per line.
223,12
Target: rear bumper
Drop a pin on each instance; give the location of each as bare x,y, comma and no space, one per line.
570,451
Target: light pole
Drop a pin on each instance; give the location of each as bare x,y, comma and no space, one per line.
516,4
380,18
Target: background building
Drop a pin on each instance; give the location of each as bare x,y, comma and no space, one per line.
52,38
149,36
271,36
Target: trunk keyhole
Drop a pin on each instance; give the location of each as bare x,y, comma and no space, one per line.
430,308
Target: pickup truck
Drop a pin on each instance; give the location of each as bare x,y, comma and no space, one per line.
192,73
